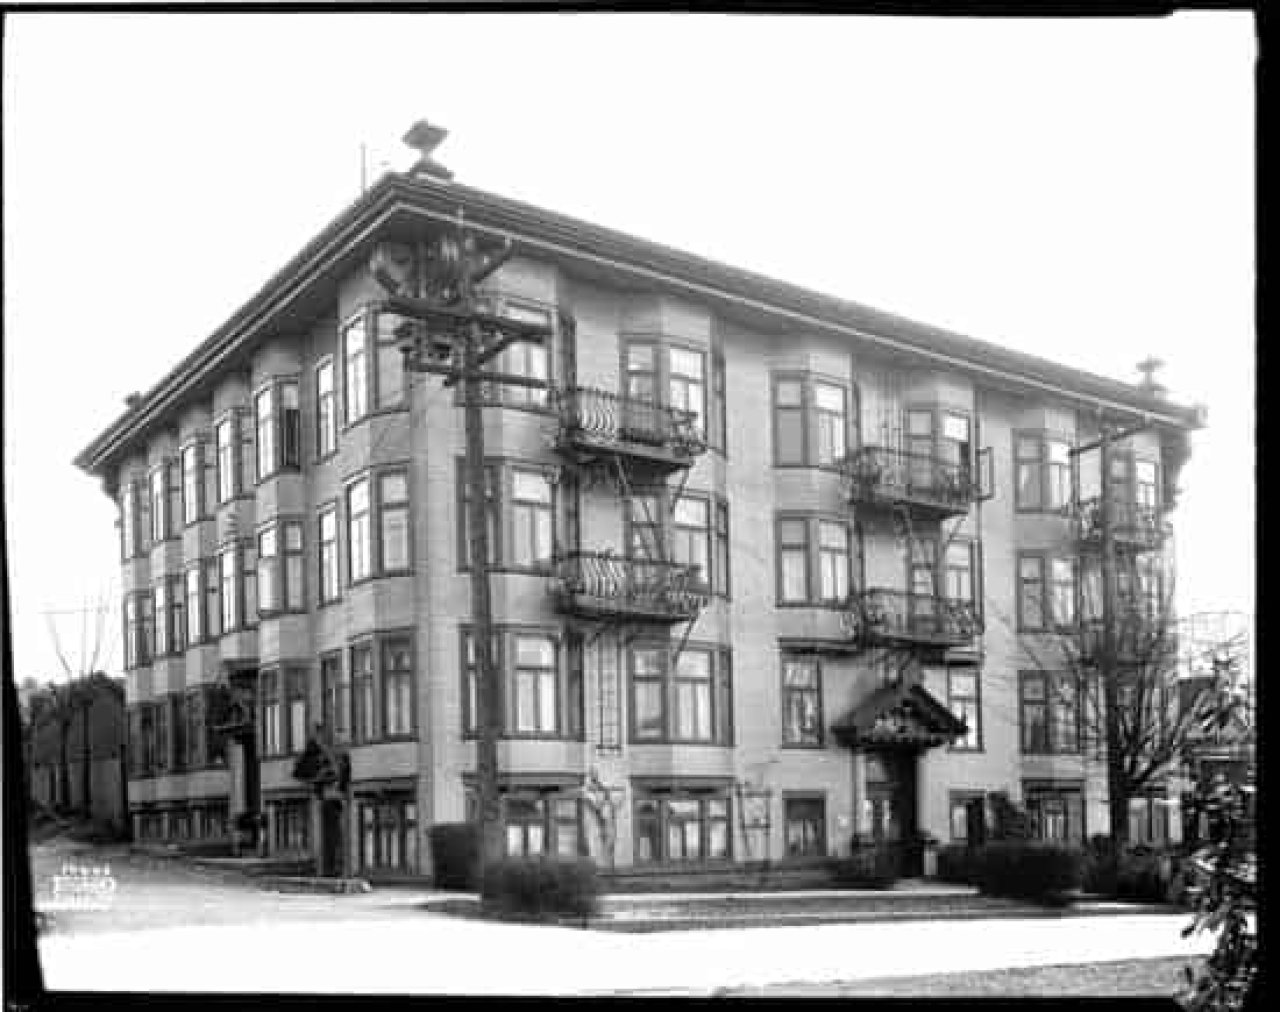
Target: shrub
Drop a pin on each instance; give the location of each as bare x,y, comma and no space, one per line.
868,866
1008,821
955,863
455,854
1099,866
1043,872
541,887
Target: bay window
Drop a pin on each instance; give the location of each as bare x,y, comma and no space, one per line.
295,692
359,532
269,708
1042,468
238,583
521,515
328,553
355,361
165,502
963,701
811,420
378,540
326,410
371,336
364,716
681,826
278,423
397,686
230,460
676,377
280,567
335,695
686,698
1049,703
815,560
196,632
540,689
193,502
130,542
532,518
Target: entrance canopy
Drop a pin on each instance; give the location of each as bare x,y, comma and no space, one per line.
903,715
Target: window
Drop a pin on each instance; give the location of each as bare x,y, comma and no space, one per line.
539,822
968,817
280,567
540,692
1149,820
359,532
805,825
129,521
692,541
964,701
719,409
193,503
328,553
1050,712
1056,812
801,701
397,686
793,561
810,421
196,632
493,512
278,422
388,834
1062,583
161,748
139,619
355,369
1031,595
165,502
227,456
389,377
364,729
238,581
326,410
720,571
681,827
212,598
178,732
529,359
650,369
815,561
296,708
160,599
269,708
1042,465
197,756
335,698
1146,490
639,365
687,385
1046,592
174,615
685,698
532,516
291,825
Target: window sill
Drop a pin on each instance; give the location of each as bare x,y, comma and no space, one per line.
397,409
279,472
471,735
677,742
378,576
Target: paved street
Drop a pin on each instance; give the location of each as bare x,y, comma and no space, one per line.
171,920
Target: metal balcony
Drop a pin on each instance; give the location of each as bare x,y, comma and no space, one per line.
1134,528
598,423
1139,640
897,618
604,585
877,475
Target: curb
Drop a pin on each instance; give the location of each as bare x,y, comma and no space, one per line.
332,886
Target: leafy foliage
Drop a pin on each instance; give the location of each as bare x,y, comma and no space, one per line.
1042,872
541,887
956,863
867,866
1224,894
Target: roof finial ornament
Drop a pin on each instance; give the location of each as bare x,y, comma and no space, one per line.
424,138
1149,366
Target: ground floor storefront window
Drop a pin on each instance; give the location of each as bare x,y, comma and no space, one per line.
388,833
290,820
1056,812
681,826
538,822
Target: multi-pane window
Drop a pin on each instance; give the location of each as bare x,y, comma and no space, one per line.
163,745
389,361
359,532
193,504
691,543
1056,812
388,834
328,554
810,421
693,539
804,820
1146,490
226,440
681,827
537,825
530,359
196,632
269,708
212,597
681,698
139,623
676,377
532,518
278,423
160,600
397,686
1031,592
326,410
165,501
291,825
393,521
687,384
963,700
364,715
540,690
129,520
174,615
335,696
493,513
238,582
355,365
295,687
1062,592
280,567
196,757
1046,592
815,560
801,701
1042,468
641,370
1050,712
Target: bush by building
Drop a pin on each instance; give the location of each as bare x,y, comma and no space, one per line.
867,866
541,887
955,863
455,855
1042,872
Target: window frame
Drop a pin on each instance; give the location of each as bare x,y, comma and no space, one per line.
662,376
568,683
668,680
817,740
282,454
790,798
662,801
328,550
326,408
229,473
977,730
1053,699
368,359
814,552
191,467
1048,472
335,697
386,676
811,417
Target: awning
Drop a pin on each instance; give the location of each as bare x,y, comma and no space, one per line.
903,714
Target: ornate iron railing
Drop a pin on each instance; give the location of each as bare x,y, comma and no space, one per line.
879,615
1139,639
1132,525
601,582
603,418
881,474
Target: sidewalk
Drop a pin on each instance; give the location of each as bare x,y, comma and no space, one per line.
432,954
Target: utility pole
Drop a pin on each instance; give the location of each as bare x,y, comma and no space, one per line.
445,330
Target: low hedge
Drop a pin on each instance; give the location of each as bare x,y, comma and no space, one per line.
867,866
1141,873
956,863
455,855
1042,872
541,887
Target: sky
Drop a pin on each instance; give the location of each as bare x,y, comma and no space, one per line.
1077,189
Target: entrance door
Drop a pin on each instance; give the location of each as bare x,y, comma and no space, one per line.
891,804
331,839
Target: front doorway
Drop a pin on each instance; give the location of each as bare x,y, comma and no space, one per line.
891,804
332,844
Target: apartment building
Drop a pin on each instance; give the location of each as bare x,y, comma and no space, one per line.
770,571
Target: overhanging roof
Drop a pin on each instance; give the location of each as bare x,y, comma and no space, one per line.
902,713
400,205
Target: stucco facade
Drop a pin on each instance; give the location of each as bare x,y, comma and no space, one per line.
743,758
